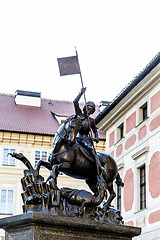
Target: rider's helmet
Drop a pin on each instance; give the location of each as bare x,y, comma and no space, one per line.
90,107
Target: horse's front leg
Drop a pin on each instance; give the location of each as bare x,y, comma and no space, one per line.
43,163
53,176
93,186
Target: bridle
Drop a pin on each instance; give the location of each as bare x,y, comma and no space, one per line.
69,124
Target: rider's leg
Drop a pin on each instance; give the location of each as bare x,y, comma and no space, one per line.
88,146
96,158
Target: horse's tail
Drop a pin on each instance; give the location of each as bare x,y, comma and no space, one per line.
119,181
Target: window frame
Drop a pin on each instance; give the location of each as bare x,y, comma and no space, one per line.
142,187
6,206
8,159
143,112
40,156
120,131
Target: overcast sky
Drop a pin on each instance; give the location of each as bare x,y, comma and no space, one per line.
115,40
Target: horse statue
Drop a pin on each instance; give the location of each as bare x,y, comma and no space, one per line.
75,161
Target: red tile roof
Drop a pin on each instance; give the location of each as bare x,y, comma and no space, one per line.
34,120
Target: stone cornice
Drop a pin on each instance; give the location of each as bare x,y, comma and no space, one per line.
22,138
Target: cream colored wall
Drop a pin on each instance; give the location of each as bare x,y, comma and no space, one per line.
10,176
100,146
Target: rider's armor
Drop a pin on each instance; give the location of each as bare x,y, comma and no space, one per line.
83,136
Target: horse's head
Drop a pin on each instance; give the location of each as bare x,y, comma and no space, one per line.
72,126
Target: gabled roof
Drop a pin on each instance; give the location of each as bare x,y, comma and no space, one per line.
34,120
129,87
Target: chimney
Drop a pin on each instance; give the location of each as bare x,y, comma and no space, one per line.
103,105
26,98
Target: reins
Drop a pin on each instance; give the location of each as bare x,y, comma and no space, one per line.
55,154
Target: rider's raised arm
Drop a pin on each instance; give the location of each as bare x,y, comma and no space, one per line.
76,100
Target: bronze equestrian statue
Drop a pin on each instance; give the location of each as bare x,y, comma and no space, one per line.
72,148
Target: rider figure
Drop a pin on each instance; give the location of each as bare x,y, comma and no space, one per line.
83,136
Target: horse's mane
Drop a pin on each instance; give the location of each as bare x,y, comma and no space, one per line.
61,132
71,117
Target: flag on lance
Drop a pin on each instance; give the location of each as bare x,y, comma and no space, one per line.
68,65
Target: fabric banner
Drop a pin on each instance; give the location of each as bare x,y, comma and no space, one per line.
68,65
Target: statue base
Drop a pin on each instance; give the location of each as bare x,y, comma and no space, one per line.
39,226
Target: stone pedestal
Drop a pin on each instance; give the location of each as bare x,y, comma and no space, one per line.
38,226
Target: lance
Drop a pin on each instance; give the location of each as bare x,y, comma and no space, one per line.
69,66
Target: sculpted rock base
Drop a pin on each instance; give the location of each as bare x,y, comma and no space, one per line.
39,196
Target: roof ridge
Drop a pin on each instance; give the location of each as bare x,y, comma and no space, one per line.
158,54
134,82
9,94
43,98
56,100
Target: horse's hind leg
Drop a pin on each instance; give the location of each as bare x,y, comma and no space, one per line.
119,181
43,163
111,197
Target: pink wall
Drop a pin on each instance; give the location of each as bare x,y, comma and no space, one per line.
155,123
155,102
154,175
112,154
130,223
130,122
128,190
111,139
130,141
119,150
142,132
154,217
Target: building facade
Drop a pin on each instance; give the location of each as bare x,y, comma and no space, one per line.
28,124
132,126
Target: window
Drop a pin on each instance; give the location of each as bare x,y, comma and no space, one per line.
143,112
6,201
142,188
58,119
40,155
119,198
120,131
8,159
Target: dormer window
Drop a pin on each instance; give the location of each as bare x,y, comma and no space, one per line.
26,98
58,119
103,105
